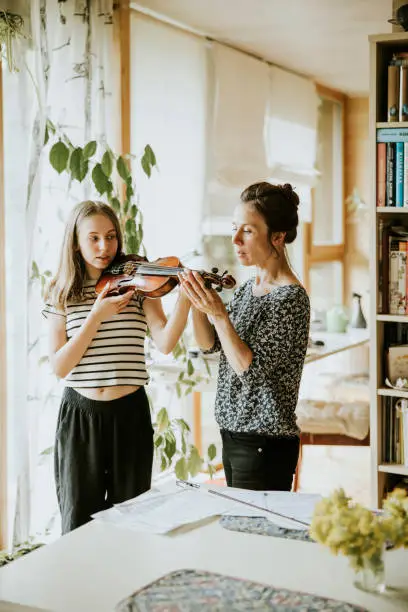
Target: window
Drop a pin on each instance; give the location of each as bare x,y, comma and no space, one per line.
324,236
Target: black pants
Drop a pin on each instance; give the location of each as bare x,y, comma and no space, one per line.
260,463
103,453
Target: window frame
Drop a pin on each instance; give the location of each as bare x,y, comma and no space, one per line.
3,352
315,253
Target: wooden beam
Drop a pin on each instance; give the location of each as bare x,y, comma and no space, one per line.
3,354
325,253
331,94
125,100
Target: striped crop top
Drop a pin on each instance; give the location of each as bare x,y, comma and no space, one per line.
116,354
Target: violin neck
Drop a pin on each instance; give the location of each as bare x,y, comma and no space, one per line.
145,271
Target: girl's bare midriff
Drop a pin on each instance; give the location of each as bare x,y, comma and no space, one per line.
106,394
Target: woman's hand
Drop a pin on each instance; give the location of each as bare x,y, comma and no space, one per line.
106,307
205,300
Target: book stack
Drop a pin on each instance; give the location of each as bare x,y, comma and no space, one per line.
395,432
397,95
393,269
392,167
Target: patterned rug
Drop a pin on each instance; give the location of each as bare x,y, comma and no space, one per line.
262,526
195,591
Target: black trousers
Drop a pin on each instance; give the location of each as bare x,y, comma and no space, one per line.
260,463
103,453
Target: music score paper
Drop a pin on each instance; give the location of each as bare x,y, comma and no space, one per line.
163,510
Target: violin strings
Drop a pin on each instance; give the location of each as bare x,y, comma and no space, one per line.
155,270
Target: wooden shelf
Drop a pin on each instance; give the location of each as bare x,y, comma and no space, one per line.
387,392
393,468
392,318
392,124
382,48
396,210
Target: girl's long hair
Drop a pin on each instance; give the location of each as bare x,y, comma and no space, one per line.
67,284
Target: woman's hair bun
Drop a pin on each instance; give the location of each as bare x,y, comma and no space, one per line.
289,194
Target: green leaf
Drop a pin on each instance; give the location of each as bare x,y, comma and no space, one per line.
90,149
163,462
162,419
194,461
47,451
78,165
51,127
181,469
190,367
178,389
170,448
115,204
107,164
133,211
211,470
122,168
47,273
146,166
130,226
150,155
59,156
43,359
35,272
212,451
46,135
101,182
184,426
129,191
132,244
158,440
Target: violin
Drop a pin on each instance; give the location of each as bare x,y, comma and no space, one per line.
153,279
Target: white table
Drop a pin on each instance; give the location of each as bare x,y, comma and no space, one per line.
336,343
95,566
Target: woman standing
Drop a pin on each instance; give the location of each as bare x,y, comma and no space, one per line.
263,336
104,438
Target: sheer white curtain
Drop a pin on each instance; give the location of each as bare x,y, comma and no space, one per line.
70,75
291,133
237,103
169,112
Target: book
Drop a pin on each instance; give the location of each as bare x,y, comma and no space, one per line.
397,360
393,92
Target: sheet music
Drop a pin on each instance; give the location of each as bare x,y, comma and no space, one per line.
162,510
300,506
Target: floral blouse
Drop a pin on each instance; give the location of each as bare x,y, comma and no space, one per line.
275,326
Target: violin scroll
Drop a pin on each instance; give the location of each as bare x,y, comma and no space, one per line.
223,281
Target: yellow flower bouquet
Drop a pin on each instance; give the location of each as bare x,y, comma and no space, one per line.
361,534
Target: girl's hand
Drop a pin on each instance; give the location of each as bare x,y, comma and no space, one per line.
106,307
205,300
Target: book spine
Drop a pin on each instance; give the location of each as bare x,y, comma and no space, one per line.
381,172
397,282
393,92
403,93
392,134
390,188
406,174
399,174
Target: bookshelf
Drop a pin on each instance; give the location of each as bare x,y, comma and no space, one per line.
386,472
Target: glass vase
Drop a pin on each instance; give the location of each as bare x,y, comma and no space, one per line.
371,576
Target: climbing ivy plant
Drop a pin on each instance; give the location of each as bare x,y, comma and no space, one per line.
112,178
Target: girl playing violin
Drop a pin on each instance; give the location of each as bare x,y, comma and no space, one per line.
263,336
104,437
